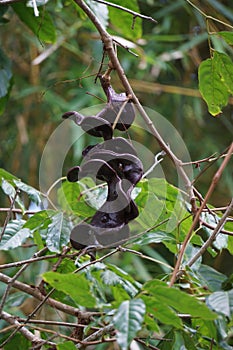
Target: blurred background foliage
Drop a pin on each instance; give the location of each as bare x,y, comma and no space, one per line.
51,78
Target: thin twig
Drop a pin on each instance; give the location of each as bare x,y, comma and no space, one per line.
207,17
100,333
213,184
224,232
212,237
141,255
135,14
156,162
8,216
56,323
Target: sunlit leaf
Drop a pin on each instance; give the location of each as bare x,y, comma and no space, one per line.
8,189
6,175
221,302
71,199
227,36
101,12
76,286
178,300
14,235
154,237
32,193
41,26
211,278
225,68
124,22
162,311
40,220
213,90
58,232
67,345
128,321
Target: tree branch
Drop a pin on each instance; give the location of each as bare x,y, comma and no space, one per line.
135,14
26,333
212,237
39,296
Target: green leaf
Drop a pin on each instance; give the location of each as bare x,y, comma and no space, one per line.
71,200
178,300
75,286
40,220
41,26
221,302
32,193
58,232
211,278
227,36
154,237
18,342
225,68
67,345
14,235
6,175
213,90
128,321
162,312
101,12
122,21
8,189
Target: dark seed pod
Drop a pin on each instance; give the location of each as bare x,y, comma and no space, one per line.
82,236
93,125
113,161
72,175
85,235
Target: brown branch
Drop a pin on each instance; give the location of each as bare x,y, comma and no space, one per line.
213,184
212,237
70,310
135,14
26,333
100,333
109,47
56,323
224,232
8,216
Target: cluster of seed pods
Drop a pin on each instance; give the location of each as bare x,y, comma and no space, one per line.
113,161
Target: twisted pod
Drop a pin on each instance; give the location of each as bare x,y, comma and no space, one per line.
113,161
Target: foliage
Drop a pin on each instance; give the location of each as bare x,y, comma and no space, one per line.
106,294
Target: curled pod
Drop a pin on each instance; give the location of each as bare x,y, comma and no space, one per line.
93,125
119,208
119,108
85,235
116,144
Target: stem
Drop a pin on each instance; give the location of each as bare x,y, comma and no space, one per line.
135,14
210,240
